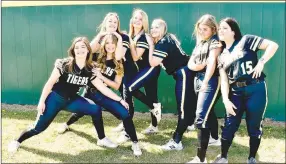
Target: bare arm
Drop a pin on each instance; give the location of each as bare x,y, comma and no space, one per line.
270,48
211,64
195,67
119,52
113,84
153,60
95,42
225,92
47,89
108,92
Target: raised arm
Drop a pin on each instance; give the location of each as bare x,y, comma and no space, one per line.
270,48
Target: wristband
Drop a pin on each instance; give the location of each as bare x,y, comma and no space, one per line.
120,99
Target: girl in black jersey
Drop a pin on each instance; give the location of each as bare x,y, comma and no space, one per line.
60,91
207,83
147,76
243,86
111,73
169,52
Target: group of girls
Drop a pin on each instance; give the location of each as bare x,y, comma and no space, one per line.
223,59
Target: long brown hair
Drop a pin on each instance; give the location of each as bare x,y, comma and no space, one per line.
88,61
101,60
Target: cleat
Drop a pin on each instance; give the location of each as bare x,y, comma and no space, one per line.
106,142
197,160
136,149
172,145
151,129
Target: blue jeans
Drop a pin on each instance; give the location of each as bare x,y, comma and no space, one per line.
186,100
251,99
55,103
205,99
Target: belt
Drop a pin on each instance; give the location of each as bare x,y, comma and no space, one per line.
245,83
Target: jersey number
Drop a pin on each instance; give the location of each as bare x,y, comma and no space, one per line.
246,67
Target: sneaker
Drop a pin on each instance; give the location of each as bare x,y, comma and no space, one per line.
172,145
106,142
191,128
214,142
197,160
220,159
136,149
123,138
251,160
119,128
157,111
13,146
151,129
63,128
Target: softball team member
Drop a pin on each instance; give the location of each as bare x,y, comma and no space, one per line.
112,70
168,52
60,91
147,75
207,84
242,84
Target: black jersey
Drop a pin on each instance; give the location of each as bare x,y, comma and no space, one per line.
144,60
172,54
128,64
68,84
241,69
202,49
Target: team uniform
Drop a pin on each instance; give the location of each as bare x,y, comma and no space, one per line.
246,93
147,76
114,107
130,71
206,120
64,96
175,62
207,98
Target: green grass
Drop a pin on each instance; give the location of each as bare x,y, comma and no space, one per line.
79,144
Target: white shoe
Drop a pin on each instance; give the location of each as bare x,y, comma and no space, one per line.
124,137
214,142
191,128
157,111
136,149
151,129
13,146
172,145
197,160
119,128
63,128
220,159
106,142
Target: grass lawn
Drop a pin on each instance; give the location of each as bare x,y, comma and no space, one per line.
79,144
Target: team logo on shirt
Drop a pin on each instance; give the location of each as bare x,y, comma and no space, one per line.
79,80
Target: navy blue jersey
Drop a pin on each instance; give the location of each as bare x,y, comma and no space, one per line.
202,49
68,84
143,62
172,54
241,69
129,64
